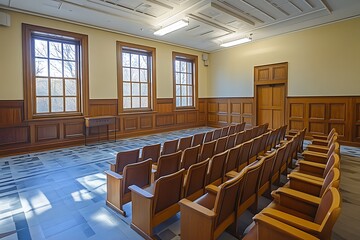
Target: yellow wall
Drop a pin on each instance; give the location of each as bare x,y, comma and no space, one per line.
323,61
102,59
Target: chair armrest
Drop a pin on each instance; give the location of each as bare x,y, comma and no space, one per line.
291,220
299,196
212,189
321,137
267,226
315,156
140,191
306,177
318,148
312,168
197,208
321,142
115,175
231,174
112,166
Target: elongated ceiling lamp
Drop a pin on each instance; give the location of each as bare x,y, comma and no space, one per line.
236,42
172,27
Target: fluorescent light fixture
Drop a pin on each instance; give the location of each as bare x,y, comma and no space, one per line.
172,27
236,42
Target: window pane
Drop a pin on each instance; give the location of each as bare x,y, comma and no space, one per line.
189,67
189,79
41,48
178,102
126,74
183,67
55,68
143,75
126,89
127,102
183,78
190,103
42,87
144,102
177,66
56,87
42,105
178,90
135,90
57,104
41,67
126,59
143,61
183,91
183,101
55,50
134,75
136,102
69,69
144,90
70,87
69,51
134,60
70,104
190,93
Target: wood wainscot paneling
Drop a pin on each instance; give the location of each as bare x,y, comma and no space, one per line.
356,120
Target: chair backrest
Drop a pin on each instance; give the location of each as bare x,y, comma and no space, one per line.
333,139
288,149
332,179
263,128
255,149
217,133
170,147
208,136
328,212
125,158
195,179
198,139
281,135
231,141
331,133
255,131
138,174
232,129
168,190
270,141
207,150
263,142
252,177
216,167
333,161
247,135
240,127
266,171
244,154
239,138
184,143
232,158
224,131
168,164
190,156
151,151
276,133
220,145
227,198
279,158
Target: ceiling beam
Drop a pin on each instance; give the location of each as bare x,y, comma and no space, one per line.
222,9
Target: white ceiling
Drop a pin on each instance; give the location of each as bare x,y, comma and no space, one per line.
211,22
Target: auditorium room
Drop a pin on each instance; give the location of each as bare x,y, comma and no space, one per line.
179,119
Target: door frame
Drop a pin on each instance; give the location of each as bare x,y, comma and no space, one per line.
271,82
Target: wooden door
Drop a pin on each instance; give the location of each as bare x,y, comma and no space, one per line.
270,94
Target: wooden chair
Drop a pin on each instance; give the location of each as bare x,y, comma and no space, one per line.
239,138
216,168
195,180
271,140
123,159
224,131
321,157
207,150
155,204
232,157
322,148
208,136
254,132
240,127
220,145
232,129
323,139
167,164
263,143
266,226
279,158
287,157
247,135
255,149
170,147
198,139
151,151
217,133
189,157
208,216
243,160
184,143
117,185
314,217
230,141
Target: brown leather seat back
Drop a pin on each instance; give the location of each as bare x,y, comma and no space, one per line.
244,154
184,143
198,139
125,158
280,154
196,178
251,180
138,174
239,138
255,148
207,150
288,149
264,141
220,145
247,135
190,156
231,141
151,151
267,169
254,132
227,198
168,190
224,131
232,158
232,129
168,164
331,134
170,147
240,127
332,162
217,133
216,167
208,136
332,179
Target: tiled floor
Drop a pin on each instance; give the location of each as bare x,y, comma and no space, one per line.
60,194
